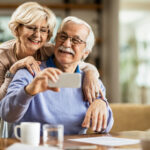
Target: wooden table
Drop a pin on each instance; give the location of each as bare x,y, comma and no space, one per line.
4,143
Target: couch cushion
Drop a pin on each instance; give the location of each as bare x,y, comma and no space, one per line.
130,117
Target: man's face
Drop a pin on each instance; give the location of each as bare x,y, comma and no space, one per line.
70,43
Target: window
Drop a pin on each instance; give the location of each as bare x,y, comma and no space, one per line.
135,56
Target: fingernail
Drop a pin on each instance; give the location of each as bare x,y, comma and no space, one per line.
99,129
94,128
54,80
103,129
86,125
57,77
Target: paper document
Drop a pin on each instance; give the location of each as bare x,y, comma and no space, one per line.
125,149
107,141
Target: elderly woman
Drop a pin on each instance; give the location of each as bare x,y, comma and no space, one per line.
32,25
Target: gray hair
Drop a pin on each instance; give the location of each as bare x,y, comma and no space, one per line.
30,12
90,39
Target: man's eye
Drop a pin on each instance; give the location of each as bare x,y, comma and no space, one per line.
63,37
75,40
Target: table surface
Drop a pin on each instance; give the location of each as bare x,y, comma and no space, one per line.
4,143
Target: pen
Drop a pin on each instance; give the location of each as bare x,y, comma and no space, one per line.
81,147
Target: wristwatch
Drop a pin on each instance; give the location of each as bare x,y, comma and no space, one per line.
9,75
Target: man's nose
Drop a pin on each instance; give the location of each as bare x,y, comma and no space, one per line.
67,42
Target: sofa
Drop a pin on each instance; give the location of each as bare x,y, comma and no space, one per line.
129,117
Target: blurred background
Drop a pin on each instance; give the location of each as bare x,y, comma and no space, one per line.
122,48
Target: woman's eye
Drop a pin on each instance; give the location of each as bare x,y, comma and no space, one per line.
31,28
43,30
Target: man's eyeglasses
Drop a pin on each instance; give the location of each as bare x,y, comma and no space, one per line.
74,40
34,29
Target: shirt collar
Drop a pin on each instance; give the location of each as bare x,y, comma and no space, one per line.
50,63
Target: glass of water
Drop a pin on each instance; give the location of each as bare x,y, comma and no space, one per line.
53,136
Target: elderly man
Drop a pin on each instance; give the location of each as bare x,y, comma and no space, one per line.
31,99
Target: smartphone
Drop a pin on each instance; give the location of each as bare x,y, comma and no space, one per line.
67,80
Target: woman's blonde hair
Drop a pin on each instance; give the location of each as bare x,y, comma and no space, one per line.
30,12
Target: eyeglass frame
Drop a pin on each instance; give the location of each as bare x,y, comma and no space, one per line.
34,29
63,40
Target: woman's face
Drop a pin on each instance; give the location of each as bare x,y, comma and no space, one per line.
33,37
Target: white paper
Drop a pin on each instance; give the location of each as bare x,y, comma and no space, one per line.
107,141
125,149
20,146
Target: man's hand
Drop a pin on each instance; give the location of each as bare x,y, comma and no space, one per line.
96,116
40,82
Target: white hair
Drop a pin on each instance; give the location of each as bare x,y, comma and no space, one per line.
90,39
30,12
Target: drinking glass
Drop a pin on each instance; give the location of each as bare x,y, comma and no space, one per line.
53,136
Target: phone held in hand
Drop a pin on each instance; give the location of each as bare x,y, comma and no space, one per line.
67,80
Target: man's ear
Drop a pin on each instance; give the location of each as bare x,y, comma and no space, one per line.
85,55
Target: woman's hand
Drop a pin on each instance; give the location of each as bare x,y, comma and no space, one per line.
28,62
40,82
91,87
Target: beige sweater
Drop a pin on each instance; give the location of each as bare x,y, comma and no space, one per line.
8,58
